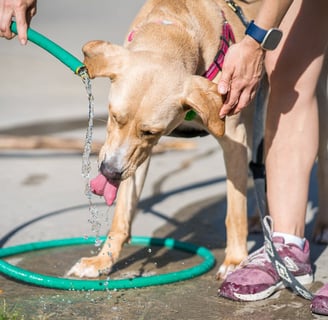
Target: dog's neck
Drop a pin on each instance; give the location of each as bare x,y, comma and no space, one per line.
161,21
179,37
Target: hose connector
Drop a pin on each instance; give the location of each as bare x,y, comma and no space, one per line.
82,71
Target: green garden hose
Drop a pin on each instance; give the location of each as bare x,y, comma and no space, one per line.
98,285
61,54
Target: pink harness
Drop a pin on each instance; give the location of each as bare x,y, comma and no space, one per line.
226,38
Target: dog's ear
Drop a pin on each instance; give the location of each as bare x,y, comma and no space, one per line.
104,59
203,97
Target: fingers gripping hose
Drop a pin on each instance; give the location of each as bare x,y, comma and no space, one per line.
61,54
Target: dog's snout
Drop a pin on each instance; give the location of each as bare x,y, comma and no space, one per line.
110,172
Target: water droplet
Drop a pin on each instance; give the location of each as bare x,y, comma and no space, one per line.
98,242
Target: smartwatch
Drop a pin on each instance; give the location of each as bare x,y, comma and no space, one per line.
268,39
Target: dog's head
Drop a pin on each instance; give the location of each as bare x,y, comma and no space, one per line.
149,97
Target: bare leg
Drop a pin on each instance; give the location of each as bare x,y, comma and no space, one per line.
292,119
291,142
321,226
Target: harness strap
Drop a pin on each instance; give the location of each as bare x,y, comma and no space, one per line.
226,39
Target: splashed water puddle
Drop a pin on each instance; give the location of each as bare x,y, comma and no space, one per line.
134,274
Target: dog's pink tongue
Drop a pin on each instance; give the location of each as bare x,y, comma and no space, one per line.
102,187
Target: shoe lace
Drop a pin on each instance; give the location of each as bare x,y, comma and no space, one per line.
260,256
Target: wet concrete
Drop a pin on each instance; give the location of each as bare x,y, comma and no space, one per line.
196,299
191,299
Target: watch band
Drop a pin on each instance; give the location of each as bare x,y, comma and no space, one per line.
256,32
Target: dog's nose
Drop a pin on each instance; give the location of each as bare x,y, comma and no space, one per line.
109,172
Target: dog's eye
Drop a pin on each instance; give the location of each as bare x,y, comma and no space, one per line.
147,133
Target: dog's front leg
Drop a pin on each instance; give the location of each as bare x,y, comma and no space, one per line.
235,157
127,201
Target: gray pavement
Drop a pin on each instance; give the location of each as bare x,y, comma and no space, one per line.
42,191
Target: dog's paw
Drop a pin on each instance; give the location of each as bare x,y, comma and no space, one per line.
224,270
90,268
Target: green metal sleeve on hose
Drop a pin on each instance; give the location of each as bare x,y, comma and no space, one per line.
76,284
61,54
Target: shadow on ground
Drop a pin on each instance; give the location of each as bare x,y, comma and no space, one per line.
198,223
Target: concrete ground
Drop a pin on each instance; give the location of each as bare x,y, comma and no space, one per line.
42,193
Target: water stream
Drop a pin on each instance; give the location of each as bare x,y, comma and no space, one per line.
86,163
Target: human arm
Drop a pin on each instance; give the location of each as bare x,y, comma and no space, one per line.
243,65
22,11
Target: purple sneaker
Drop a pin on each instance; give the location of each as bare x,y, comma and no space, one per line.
257,279
319,303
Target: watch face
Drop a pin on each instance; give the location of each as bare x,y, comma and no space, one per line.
271,39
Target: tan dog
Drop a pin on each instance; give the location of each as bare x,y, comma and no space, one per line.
156,79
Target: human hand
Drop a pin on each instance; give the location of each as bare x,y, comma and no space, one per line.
22,11
241,73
